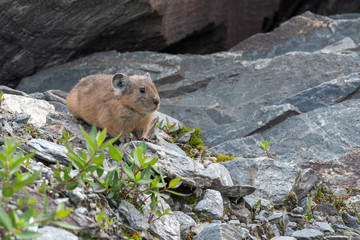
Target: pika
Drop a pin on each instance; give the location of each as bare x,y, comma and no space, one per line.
120,103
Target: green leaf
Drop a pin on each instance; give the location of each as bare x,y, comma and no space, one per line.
128,171
97,187
16,164
179,194
71,185
89,142
91,168
61,212
5,220
174,183
24,234
98,160
100,138
32,201
115,153
8,191
66,225
26,181
100,216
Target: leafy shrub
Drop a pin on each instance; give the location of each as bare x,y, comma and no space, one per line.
135,179
18,216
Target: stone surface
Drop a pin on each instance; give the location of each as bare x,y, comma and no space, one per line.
35,36
49,232
36,109
219,231
49,151
324,227
307,233
210,205
134,217
273,180
308,179
186,223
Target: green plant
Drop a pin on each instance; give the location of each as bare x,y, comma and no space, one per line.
17,216
311,207
33,131
222,158
1,98
168,127
104,220
135,179
264,145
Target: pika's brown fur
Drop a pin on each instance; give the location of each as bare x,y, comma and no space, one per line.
120,103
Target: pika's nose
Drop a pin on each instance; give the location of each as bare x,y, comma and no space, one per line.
156,101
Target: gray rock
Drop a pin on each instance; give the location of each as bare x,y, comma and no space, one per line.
318,139
186,223
77,195
307,233
225,181
234,191
289,232
264,203
53,233
243,214
22,118
280,219
36,109
299,219
134,217
327,208
49,151
189,84
185,137
342,238
350,221
283,238
324,227
210,205
308,179
273,180
166,228
344,230
219,231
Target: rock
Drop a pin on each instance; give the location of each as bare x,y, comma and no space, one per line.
219,231
235,191
344,230
319,139
210,205
87,224
327,208
49,151
350,221
134,217
186,223
283,238
265,204
308,179
307,233
280,219
49,232
139,25
272,180
166,228
77,195
325,228
174,163
243,214
36,109
224,181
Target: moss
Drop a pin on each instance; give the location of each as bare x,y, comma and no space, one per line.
192,200
195,141
134,236
222,158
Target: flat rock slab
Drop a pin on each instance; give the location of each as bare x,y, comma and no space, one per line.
325,140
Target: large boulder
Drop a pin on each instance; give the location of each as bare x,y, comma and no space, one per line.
35,34
222,91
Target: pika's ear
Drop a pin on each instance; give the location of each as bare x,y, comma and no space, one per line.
119,81
148,76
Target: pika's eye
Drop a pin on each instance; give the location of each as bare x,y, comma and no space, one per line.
142,89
